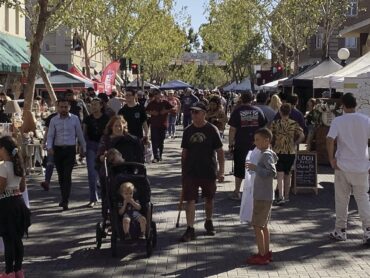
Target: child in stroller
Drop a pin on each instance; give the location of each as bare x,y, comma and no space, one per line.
130,210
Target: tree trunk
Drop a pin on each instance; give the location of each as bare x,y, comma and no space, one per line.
35,54
48,85
87,60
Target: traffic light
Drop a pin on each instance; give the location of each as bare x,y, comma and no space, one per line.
123,64
279,68
135,68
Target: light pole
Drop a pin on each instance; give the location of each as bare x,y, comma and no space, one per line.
343,55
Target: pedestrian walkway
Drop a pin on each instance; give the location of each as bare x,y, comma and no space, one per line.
62,244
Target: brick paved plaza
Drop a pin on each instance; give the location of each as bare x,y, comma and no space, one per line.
62,244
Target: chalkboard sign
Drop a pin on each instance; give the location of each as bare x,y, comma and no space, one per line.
305,171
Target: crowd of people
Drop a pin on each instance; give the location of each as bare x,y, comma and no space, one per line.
87,129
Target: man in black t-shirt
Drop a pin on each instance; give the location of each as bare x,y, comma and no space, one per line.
200,143
135,116
93,126
244,121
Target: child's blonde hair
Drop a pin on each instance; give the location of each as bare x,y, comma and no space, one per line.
111,154
126,185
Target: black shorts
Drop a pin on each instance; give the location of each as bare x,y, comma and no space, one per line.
190,188
285,163
239,162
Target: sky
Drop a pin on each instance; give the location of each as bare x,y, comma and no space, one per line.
195,8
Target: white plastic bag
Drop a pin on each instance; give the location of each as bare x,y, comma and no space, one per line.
246,207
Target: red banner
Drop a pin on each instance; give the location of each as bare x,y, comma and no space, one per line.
109,76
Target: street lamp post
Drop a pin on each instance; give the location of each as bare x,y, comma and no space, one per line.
343,55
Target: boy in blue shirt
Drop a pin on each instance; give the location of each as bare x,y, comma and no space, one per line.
262,195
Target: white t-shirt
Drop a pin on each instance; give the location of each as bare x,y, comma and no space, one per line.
352,132
7,171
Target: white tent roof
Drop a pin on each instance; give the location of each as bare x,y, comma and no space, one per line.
229,87
272,86
244,85
337,82
325,67
327,80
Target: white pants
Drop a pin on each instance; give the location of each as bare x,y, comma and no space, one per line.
359,183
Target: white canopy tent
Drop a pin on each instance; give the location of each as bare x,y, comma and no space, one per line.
229,87
272,86
245,85
328,81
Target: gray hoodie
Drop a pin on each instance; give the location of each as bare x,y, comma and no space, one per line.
265,173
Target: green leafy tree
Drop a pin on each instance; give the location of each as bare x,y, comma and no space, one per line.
232,31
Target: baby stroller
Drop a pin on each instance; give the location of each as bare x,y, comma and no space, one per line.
116,175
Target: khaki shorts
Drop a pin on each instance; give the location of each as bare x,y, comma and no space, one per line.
261,213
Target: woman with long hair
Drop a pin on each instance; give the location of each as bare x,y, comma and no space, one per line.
14,214
275,103
216,114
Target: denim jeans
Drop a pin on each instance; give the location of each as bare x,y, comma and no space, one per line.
171,124
91,153
186,120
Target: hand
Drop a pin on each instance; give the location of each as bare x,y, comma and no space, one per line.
50,152
333,164
220,177
250,166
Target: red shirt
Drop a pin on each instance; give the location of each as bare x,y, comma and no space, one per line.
159,120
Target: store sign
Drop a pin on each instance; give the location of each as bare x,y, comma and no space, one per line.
24,72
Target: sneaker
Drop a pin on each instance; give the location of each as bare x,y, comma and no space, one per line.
127,236
279,202
339,235
155,160
366,238
258,260
45,185
188,235
235,196
210,230
142,235
268,256
19,274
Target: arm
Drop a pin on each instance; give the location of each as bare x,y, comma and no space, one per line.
121,211
221,164
268,169
50,136
146,129
330,147
232,132
80,135
183,157
22,184
2,184
135,204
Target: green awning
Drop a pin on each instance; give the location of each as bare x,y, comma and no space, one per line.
14,51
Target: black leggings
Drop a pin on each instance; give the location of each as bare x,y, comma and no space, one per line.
14,252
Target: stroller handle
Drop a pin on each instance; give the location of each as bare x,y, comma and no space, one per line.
106,166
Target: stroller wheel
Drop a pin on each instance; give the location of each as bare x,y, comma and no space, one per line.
154,234
113,241
99,235
149,248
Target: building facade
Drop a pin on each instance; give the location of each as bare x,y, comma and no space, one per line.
58,48
358,11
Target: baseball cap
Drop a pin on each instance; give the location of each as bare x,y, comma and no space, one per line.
199,106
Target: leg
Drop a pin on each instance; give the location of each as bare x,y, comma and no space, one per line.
208,207
280,178
9,252
142,222
59,157
126,225
342,196
162,136
360,185
260,240
266,238
92,174
287,180
155,142
68,163
190,213
19,253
